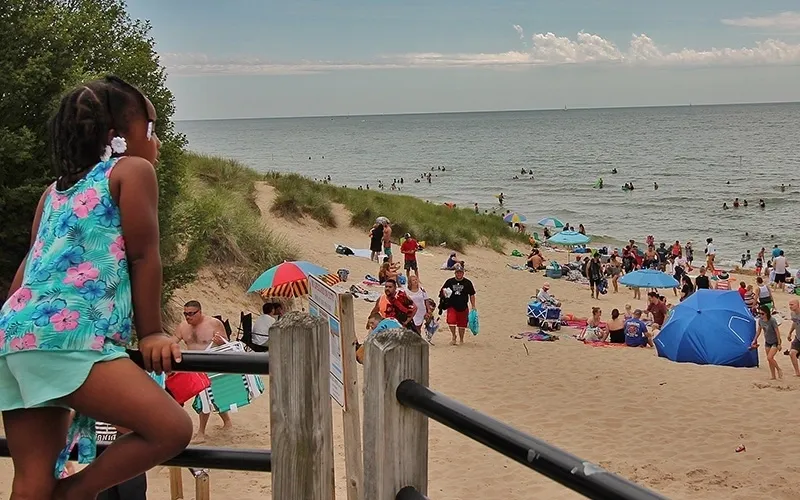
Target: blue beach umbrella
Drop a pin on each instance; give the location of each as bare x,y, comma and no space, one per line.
649,278
551,222
711,327
569,238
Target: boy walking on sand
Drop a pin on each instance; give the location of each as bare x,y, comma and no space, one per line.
387,239
409,251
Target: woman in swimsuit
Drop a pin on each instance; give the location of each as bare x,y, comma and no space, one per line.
616,328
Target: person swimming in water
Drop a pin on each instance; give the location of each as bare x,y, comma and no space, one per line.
614,171
762,204
725,206
736,203
655,186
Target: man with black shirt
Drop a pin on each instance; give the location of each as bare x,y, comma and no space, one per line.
702,281
460,294
594,271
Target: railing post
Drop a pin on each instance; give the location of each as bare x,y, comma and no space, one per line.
353,456
301,421
395,437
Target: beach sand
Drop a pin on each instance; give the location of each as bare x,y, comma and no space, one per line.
672,427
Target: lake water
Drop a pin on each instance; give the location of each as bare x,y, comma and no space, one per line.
701,156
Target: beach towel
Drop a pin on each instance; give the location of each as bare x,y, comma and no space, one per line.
517,267
372,280
228,392
602,344
365,253
539,336
472,322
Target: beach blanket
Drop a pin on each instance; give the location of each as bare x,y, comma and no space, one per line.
517,267
365,253
539,336
602,344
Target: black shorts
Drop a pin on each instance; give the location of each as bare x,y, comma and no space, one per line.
593,282
780,278
410,265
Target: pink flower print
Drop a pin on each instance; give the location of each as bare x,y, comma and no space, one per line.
65,320
85,202
117,248
80,274
37,248
57,200
98,343
26,342
20,298
2,338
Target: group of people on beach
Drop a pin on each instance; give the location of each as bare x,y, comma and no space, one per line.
405,302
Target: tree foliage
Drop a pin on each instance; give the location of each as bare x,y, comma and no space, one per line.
49,46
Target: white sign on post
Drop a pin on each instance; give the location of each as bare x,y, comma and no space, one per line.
324,303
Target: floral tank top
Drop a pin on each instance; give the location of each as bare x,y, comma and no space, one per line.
76,291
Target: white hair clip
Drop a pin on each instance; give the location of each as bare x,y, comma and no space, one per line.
119,145
149,130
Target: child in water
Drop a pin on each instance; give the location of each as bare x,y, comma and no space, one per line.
92,273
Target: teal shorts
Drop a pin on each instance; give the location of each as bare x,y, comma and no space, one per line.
387,251
39,379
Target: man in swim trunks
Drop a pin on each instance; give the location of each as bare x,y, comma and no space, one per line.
387,239
199,332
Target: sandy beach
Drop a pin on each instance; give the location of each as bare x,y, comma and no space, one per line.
672,427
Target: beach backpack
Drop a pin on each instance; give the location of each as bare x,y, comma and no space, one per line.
343,274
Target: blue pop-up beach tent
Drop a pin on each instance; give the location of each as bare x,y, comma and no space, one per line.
711,327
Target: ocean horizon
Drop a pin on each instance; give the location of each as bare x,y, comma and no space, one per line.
701,156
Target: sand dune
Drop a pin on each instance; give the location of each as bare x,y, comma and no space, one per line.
672,427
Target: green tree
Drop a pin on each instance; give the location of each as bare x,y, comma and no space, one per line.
48,47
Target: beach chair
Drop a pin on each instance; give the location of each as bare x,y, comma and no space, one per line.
246,333
227,325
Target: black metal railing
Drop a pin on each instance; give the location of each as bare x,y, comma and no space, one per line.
202,456
576,474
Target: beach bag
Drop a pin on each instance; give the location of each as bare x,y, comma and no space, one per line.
343,274
472,322
185,386
516,253
343,250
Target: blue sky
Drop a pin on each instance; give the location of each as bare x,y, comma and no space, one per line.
250,58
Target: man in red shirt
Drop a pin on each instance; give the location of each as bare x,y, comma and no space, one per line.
657,309
409,251
742,289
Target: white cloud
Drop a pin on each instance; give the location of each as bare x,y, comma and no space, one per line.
784,20
546,49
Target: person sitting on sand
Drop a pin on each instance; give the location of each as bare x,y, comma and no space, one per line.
452,261
636,332
616,328
535,261
595,330
545,297
388,271
772,339
656,309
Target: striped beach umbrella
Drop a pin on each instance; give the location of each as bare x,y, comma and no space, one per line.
551,222
290,279
515,218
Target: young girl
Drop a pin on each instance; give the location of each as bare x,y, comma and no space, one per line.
431,322
772,339
93,272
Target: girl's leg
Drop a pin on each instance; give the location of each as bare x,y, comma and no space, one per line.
35,439
120,393
774,369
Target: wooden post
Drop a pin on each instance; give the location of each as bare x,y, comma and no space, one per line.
201,484
301,419
395,437
351,418
175,483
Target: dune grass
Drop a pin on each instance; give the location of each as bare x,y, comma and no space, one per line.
434,223
223,223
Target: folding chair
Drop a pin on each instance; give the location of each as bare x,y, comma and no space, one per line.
246,330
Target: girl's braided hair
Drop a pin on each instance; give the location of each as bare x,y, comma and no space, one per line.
79,129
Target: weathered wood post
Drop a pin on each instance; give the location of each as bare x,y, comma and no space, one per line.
395,437
301,421
351,418
175,483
